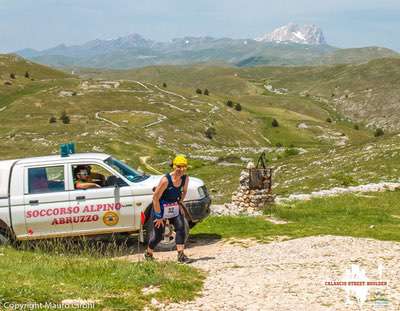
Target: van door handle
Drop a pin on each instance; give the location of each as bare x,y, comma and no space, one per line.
80,198
34,202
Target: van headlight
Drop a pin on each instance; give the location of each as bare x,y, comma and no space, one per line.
202,192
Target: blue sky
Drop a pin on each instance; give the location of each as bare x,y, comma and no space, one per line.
42,24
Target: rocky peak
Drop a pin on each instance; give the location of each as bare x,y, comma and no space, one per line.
304,34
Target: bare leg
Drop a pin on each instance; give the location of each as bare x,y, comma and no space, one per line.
180,247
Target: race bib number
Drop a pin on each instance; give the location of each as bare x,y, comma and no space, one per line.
171,210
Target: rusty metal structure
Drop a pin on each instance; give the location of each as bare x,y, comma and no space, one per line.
261,175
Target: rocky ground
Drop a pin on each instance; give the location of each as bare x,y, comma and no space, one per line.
292,274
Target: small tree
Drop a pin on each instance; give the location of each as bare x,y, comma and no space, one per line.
198,91
291,152
210,132
164,85
206,92
229,103
238,107
27,75
275,123
52,119
379,132
12,75
65,118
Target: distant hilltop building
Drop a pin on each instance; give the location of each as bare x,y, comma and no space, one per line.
306,34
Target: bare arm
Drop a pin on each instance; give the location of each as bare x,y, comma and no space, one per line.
158,193
185,188
86,185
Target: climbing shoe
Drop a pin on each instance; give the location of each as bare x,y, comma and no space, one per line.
182,258
148,256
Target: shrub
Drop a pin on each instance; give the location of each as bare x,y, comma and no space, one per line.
291,152
329,120
229,103
379,132
229,158
356,127
65,118
344,179
52,119
279,145
275,123
198,91
164,85
12,75
206,92
27,75
210,132
238,107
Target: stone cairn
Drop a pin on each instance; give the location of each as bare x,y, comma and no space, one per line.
244,199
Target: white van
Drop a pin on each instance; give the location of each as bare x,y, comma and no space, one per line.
38,199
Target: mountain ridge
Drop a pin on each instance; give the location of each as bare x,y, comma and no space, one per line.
135,51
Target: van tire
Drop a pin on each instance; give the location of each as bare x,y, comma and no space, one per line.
165,244
5,237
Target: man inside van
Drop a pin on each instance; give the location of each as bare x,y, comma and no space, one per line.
82,178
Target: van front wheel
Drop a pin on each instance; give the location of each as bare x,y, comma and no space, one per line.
168,242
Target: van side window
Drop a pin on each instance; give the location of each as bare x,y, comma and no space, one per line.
91,176
46,179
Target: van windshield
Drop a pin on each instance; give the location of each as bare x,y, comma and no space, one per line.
125,170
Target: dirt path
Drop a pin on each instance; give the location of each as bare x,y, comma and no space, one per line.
143,160
291,275
168,92
97,116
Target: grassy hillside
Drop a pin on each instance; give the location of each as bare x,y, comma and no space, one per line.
351,91
356,55
19,77
375,215
10,63
156,112
354,91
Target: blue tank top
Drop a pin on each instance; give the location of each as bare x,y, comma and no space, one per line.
172,194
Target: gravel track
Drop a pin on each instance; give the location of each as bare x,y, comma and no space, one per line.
290,275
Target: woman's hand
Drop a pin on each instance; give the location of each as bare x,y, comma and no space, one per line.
158,223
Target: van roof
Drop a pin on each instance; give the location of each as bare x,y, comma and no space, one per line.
6,165
58,158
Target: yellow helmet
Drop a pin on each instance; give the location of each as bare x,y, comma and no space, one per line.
180,159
